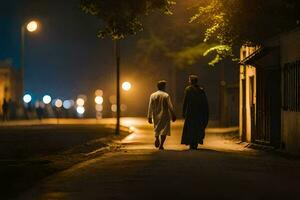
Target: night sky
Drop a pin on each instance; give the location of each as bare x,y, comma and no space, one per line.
65,58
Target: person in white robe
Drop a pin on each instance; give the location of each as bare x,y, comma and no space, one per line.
160,112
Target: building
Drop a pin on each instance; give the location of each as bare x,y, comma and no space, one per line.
11,86
270,93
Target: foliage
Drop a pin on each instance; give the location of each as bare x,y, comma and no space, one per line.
121,18
238,22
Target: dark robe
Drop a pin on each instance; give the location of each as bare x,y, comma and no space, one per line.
195,112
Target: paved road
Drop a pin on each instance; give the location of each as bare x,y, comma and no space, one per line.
221,169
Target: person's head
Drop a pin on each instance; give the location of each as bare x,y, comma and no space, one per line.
161,85
193,79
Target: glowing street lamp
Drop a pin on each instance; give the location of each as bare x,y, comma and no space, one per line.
30,26
126,86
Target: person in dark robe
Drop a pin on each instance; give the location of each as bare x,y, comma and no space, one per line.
195,113
5,110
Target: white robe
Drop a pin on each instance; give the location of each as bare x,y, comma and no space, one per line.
160,110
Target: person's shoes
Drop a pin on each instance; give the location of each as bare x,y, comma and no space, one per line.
161,148
156,143
201,142
194,147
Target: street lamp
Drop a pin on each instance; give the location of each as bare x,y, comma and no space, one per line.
30,26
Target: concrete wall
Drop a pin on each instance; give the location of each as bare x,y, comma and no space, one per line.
290,132
245,73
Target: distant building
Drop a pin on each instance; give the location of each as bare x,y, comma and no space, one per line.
11,84
270,93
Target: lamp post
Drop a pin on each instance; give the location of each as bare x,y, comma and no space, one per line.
117,52
31,26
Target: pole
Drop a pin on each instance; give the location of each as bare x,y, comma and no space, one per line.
174,85
22,57
117,52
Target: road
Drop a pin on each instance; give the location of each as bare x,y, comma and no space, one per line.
221,169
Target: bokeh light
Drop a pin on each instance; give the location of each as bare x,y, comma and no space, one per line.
99,108
47,99
114,108
112,99
126,86
123,107
80,102
98,93
99,100
67,104
27,98
58,103
80,110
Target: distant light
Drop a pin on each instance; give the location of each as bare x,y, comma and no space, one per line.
58,103
39,104
80,102
99,108
80,110
47,99
99,93
126,86
114,108
112,99
27,98
99,100
32,26
123,107
67,104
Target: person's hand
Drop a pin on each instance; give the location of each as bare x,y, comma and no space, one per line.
174,118
150,120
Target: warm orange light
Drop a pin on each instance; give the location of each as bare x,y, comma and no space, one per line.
58,103
114,108
99,93
32,26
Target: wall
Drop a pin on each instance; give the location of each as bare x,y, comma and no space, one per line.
250,71
290,52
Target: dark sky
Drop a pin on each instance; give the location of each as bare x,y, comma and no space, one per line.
65,58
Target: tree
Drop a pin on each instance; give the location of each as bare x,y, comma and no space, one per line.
232,23
119,19
122,18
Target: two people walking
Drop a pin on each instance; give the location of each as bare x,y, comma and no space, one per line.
195,112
